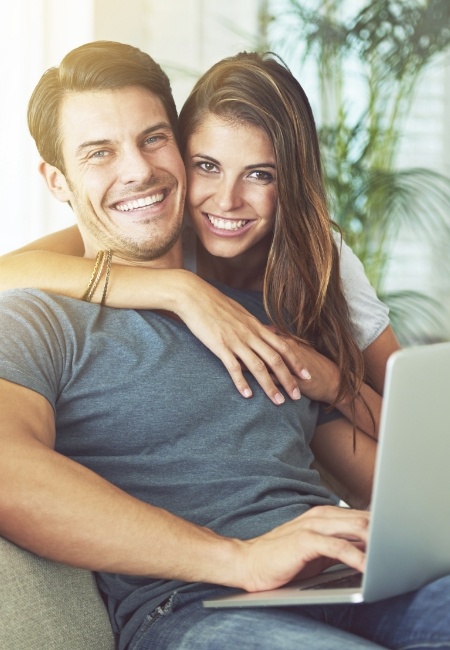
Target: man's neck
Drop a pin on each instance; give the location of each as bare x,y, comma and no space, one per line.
173,259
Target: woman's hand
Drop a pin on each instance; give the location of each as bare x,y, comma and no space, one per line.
323,385
240,341
322,381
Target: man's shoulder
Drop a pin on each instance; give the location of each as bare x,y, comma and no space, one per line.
18,302
26,294
34,296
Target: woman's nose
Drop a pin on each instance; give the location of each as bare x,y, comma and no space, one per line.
228,195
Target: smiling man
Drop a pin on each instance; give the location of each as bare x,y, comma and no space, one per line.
124,178
124,447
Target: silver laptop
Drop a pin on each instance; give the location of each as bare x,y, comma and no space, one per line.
409,536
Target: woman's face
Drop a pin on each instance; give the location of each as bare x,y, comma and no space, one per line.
232,188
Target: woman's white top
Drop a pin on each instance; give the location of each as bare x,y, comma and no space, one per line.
369,315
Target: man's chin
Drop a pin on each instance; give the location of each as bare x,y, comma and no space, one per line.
150,251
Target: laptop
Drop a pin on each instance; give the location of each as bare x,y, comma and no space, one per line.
409,534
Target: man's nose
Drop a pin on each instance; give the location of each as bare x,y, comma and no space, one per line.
228,195
135,166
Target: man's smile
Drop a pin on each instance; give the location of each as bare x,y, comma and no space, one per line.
143,202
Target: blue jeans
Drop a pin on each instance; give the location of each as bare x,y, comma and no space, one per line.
418,620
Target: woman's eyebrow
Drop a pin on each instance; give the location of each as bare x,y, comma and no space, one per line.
261,164
271,165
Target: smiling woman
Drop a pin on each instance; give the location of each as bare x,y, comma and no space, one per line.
232,199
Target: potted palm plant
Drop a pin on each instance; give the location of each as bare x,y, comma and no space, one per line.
372,199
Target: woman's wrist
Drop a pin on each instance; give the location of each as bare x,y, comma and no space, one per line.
184,288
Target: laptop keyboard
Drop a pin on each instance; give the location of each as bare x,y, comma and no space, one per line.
350,581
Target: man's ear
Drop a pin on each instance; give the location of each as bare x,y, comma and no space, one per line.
56,181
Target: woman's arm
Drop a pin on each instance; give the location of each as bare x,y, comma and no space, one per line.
235,336
369,315
67,242
347,469
323,386
376,356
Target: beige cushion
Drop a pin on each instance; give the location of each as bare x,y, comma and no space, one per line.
48,605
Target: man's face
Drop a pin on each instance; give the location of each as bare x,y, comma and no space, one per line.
124,177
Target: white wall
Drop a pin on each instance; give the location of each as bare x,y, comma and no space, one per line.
34,35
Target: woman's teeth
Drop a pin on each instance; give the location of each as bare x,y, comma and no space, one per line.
227,224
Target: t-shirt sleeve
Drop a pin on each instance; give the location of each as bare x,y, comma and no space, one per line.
369,315
30,354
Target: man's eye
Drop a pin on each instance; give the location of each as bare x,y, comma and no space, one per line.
154,139
99,154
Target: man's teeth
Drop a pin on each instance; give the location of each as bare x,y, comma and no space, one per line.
140,203
227,224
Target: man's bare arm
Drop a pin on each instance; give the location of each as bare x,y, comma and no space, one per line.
62,510
59,509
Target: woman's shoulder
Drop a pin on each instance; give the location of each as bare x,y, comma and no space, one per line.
369,315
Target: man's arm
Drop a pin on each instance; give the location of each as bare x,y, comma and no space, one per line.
59,509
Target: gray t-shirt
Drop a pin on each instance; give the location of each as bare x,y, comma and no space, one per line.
143,403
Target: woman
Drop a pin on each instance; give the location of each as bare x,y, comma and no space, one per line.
262,223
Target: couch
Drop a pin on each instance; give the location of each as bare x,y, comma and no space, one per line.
49,606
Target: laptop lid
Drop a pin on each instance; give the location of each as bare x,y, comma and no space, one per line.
410,523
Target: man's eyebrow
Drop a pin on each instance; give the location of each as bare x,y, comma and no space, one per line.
91,143
160,126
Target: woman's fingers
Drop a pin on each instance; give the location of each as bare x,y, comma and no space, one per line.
238,339
270,370
248,361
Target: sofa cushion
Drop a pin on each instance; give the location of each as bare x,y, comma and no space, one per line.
48,605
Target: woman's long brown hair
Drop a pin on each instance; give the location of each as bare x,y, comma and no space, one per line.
302,287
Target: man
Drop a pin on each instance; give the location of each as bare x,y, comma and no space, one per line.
124,448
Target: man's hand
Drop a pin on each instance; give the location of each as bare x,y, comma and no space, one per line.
305,546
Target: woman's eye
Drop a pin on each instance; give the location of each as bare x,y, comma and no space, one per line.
207,166
260,175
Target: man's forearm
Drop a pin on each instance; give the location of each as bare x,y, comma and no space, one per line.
63,511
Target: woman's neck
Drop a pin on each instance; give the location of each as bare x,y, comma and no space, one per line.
245,271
